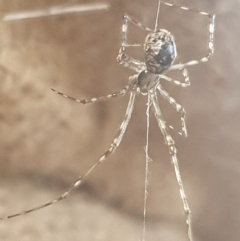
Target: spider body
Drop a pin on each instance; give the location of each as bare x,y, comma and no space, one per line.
159,54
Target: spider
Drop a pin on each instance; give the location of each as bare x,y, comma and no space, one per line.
159,55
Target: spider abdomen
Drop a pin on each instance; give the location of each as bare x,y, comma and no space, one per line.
160,51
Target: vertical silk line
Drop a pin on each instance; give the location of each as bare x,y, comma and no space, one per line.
147,160
157,16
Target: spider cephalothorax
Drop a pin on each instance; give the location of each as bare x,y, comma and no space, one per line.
160,51
146,81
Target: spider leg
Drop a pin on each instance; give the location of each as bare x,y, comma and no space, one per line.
122,92
178,108
211,26
173,152
185,8
129,62
117,140
122,57
184,84
115,143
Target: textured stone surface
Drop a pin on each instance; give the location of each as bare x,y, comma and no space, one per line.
47,141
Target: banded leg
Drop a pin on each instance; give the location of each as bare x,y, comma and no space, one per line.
115,143
211,26
122,92
122,57
178,108
173,152
184,84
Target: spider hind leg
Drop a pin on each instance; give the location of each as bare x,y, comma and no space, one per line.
173,153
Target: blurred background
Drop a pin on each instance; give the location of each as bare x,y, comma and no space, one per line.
46,141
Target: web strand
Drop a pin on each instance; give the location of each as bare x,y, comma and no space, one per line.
157,16
147,160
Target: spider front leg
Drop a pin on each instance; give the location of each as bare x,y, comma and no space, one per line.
173,152
211,27
122,57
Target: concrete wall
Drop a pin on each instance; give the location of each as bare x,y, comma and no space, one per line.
46,141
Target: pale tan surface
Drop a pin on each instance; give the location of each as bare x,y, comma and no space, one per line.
47,141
